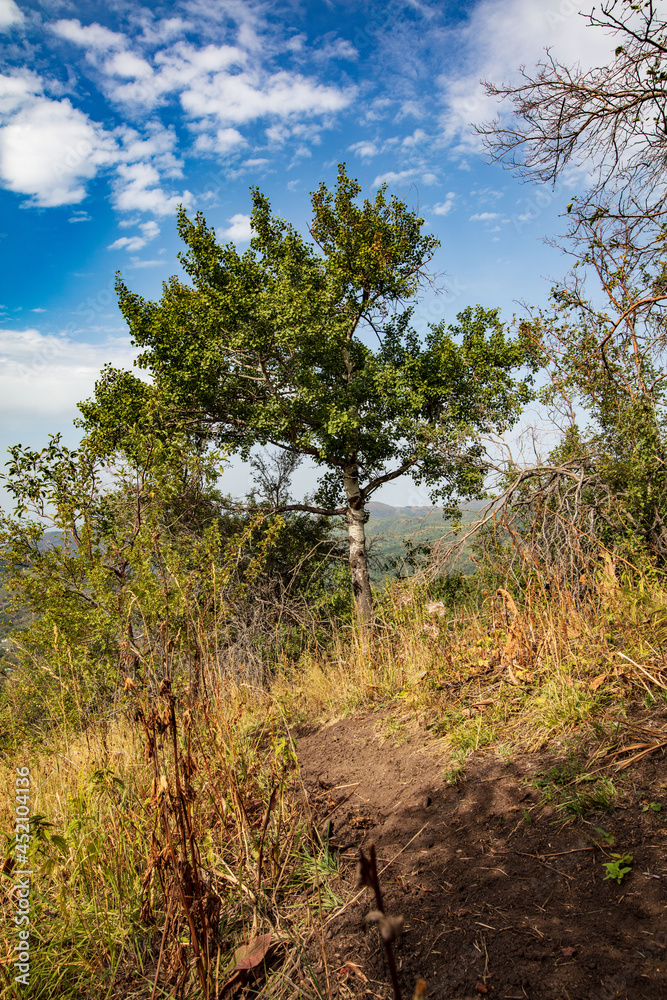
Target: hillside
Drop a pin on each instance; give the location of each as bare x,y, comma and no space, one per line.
393,530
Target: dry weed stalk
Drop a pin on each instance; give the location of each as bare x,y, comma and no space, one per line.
390,927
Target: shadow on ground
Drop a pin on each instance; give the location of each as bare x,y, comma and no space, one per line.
502,895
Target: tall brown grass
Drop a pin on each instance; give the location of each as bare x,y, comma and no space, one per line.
172,843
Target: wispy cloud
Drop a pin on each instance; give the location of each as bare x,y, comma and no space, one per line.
364,149
444,207
149,230
92,37
494,41
395,177
401,176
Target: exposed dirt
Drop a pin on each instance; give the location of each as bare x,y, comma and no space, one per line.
501,894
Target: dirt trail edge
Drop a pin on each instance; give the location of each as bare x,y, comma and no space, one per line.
502,896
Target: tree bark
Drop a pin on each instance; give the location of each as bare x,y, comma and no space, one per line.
356,533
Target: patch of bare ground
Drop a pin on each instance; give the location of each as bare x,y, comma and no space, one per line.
503,894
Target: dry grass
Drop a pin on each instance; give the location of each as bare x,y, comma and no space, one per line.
515,674
176,833
160,850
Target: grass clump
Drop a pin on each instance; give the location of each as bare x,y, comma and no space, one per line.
172,841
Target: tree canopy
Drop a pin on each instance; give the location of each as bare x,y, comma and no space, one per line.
273,347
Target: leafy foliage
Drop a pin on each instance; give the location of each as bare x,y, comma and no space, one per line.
271,348
141,549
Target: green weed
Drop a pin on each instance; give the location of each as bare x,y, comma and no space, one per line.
618,868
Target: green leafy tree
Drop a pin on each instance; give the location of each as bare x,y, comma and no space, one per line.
126,570
132,566
273,347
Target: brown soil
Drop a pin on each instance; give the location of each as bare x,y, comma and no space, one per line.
500,893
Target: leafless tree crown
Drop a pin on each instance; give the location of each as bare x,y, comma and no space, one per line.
613,117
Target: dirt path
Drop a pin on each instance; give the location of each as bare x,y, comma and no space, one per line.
500,896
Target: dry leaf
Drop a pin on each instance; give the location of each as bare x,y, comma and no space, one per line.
250,955
569,951
247,957
597,681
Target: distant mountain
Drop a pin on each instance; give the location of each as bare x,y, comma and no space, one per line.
384,510
377,509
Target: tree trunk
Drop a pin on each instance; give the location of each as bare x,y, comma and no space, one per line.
356,533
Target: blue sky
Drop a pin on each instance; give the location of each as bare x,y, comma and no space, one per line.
113,114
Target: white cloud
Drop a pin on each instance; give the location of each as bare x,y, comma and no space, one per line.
398,177
364,149
176,70
156,146
417,138
145,263
394,177
243,97
164,30
219,87
297,43
44,375
444,207
277,133
92,36
215,83
149,231
126,64
15,91
10,15
483,216
334,48
342,49
50,149
239,231
223,141
137,189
